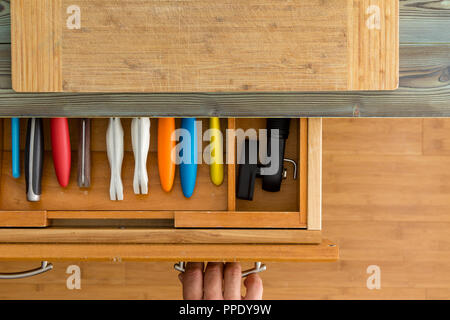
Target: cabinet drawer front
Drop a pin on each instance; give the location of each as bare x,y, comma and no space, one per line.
326,251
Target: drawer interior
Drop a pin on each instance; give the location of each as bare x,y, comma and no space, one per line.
211,206
288,197
72,198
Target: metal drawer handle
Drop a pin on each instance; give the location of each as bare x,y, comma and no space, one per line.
259,267
45,266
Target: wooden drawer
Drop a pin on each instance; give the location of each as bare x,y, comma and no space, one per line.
84,224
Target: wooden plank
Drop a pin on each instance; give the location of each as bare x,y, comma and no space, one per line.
424,92
406,102
324,252
314,219
159,235
204,46
373,45
303,170
421,21
13,219
424,21
5,22
355,190
373,136
135,281
436,137
425,66
36,45
55,215
238,219
5,66
231,150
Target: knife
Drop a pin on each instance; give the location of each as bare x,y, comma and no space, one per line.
166,149
216,162
140,139
115,152
34,158
84,154
15,146
188,165
61,149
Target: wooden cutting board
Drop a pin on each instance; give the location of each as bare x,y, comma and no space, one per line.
204,45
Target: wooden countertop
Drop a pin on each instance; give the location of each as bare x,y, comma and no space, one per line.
424,84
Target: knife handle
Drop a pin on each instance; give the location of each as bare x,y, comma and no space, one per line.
216,164
188,165
15,146
61,149
115,152
140,140
84,154
166,149
34,158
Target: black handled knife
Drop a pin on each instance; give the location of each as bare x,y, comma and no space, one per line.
34,158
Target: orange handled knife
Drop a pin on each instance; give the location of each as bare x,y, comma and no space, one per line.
166,147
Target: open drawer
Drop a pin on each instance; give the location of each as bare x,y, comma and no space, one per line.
75,223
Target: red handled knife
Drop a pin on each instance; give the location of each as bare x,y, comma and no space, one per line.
61,149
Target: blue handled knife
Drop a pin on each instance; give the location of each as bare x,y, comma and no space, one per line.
15,147
188,165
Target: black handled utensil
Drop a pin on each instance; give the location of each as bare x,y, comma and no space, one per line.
84,154
34,158
250,168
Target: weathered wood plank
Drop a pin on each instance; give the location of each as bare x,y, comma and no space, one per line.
406,102
5,22
5,66
424,92
424,21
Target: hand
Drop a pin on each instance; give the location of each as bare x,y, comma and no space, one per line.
218,282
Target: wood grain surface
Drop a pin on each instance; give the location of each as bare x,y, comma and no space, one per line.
239,219
36,45
326,251
204,46
386,219
424,84
158,235
314,209
24,219
303,169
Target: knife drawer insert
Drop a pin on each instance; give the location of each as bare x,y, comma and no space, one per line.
297,205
